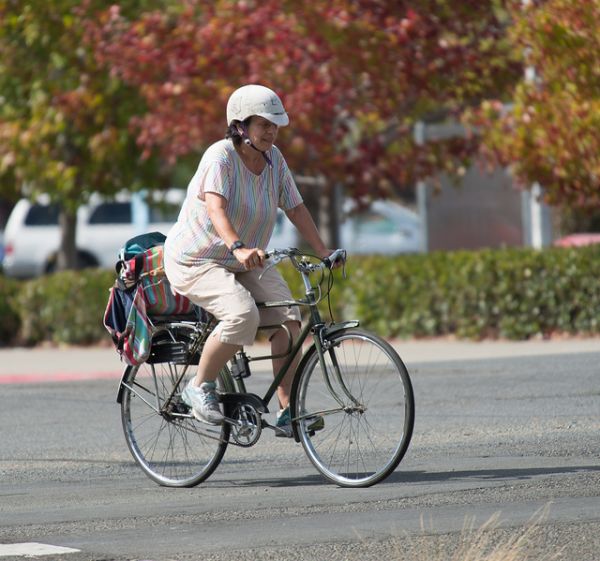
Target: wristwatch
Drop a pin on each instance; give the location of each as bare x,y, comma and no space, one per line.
236,245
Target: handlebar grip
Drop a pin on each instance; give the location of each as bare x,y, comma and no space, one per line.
338,255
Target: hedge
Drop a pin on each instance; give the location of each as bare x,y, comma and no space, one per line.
511,293
508,293
9,316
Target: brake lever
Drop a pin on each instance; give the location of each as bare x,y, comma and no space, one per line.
341,256
274,261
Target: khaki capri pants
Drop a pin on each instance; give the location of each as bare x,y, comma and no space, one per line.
231,297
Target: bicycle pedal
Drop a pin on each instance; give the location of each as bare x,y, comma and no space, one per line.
207,424
283,432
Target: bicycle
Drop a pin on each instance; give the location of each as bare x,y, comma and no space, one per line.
351,402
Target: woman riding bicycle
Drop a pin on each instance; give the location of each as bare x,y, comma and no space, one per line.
214,254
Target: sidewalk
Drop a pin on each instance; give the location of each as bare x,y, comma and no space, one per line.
23,365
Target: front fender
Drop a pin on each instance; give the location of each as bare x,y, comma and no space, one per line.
336,327
327,332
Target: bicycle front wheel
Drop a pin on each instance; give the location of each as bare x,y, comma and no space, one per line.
167,442
355,422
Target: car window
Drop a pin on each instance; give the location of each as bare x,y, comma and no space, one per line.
42,215
370,222
164,212
111,213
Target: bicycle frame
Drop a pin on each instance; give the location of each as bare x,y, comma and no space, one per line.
320,332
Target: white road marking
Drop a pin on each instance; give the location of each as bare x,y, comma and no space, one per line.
32,548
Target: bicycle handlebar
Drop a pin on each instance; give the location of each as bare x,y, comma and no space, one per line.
303,266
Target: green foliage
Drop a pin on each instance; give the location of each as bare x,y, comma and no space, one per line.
512,293
515,294
65,307
576,220
9,317
64,120
551,133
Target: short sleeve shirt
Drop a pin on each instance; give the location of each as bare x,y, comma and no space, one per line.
252,202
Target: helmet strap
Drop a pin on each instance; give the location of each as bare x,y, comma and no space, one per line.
246,140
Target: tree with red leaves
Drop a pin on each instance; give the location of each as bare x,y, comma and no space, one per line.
86,90
354,75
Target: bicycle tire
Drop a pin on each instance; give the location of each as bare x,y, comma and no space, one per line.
171,447
362,440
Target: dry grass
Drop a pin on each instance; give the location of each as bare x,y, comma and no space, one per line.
485,543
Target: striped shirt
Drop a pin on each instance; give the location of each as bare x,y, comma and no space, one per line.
252,202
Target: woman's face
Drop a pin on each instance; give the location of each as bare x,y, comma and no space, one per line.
262,133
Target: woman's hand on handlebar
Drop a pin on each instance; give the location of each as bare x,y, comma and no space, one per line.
250,258
334,258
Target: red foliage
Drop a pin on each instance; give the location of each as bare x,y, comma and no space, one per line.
354,75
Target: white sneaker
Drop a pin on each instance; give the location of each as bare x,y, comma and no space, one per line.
204,402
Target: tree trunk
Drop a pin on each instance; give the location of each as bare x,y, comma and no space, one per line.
331,212
325,205
67,251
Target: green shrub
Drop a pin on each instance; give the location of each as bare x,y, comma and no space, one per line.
509,293
9,316
65,307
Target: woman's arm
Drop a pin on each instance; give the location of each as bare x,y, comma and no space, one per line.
216,206
302,219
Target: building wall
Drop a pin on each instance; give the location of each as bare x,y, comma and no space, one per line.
483,210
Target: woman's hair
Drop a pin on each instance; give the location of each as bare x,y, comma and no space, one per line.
233,133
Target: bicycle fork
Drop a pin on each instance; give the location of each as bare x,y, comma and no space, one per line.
324,344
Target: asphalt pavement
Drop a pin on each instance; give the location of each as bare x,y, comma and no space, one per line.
44,364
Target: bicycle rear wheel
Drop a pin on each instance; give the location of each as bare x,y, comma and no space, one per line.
356,429
167,442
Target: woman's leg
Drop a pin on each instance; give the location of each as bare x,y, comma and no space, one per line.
279,345
238,322
216,290
215,355
268,285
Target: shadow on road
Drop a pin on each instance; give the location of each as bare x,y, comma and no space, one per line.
484,474
414,477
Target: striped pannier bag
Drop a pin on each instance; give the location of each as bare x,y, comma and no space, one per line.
159,297
140,292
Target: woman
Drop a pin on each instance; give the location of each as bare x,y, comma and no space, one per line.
214,254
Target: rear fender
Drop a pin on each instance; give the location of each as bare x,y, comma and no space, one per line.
121,382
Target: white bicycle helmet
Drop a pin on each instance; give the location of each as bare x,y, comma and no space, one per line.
256,100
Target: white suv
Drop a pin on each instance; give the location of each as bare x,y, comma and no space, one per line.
32,234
